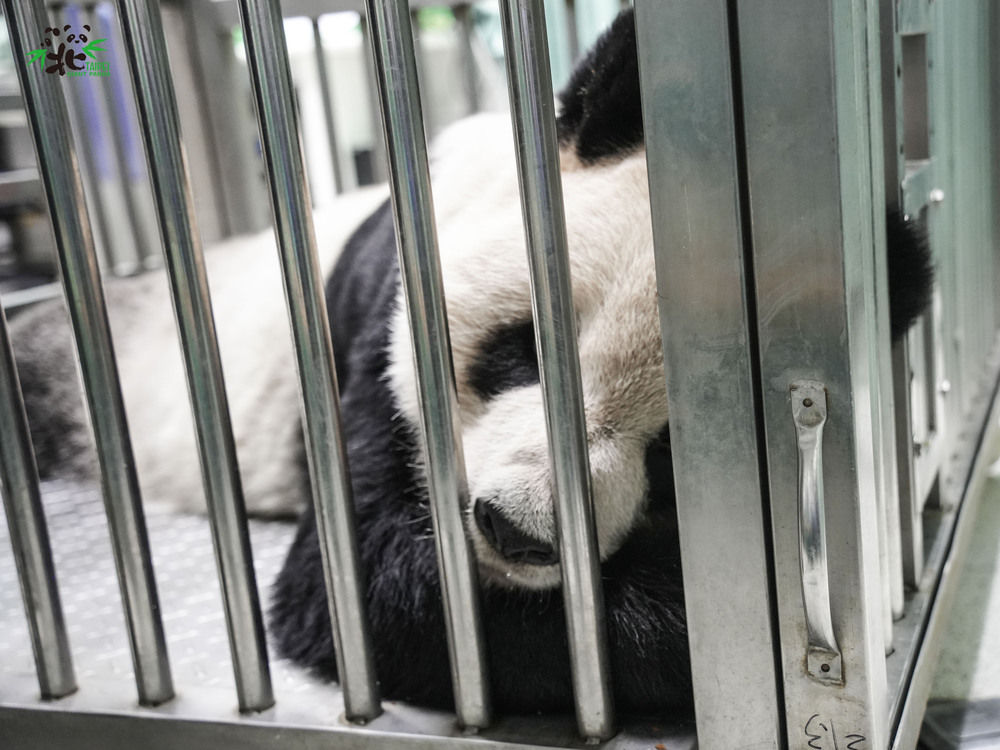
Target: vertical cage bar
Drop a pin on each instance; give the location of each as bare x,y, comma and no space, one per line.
533,115
85,298
93,123
880,362
142,28
128,171
86,128
271,78
29,536
719,474
897,399
378,155
409,178
467,30
326,92
423,79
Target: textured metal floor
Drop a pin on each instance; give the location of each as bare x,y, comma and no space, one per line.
188,588
199,655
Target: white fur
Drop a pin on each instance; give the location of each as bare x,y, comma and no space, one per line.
258,366
484,267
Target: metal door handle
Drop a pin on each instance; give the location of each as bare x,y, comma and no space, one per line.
823,659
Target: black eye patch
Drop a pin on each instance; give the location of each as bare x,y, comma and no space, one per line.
507,360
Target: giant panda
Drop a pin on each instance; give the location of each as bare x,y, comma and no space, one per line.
509,518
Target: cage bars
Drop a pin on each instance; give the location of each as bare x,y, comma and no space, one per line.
85,299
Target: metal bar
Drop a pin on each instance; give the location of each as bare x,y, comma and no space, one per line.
892,400
378,156
87,133
533,115
129,172
85,299
875,265
271,78
29,535
409,178
423,78
467,30
911,520
326,92
717,457
142,28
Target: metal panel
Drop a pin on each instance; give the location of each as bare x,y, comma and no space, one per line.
879,339
85,298
809,174
693,152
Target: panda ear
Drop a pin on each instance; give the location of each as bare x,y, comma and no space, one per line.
601,115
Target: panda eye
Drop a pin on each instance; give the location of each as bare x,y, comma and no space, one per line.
507,360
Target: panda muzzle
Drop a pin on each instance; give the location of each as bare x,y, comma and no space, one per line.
513,544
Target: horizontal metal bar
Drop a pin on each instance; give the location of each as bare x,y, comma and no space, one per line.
201,718
142,28
409,178
273,91
533,115
85,298
29,536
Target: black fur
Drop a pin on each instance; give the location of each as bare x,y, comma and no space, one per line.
601,116
508,360
911,273
525,631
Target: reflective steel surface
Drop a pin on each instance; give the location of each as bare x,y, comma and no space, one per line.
533,114
85,299
29,537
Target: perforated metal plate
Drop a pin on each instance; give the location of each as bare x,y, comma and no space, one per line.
185,575
103,713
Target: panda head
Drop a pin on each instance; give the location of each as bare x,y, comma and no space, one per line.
510,515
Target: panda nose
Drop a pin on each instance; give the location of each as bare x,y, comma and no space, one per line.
507,539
